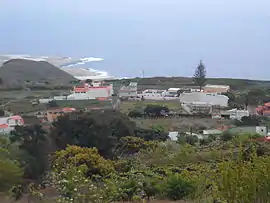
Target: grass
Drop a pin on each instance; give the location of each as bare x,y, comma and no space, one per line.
81,104
167,82
127,106
21,94
23,107
182,124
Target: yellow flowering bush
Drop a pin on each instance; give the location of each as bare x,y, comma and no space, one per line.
76,156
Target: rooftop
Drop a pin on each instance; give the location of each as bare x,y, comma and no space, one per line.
217,86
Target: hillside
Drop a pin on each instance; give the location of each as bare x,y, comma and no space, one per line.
167,82
17,73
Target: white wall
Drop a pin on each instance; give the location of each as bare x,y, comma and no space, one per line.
212,99
44,101
92,94
262,130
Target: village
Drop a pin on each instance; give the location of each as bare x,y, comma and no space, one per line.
209,103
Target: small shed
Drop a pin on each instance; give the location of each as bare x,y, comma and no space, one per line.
173,135
212,132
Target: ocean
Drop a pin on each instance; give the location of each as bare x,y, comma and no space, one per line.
163,38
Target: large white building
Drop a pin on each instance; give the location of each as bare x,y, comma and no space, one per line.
212,99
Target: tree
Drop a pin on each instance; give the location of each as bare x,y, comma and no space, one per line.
255,97
100,129
89,81
125,82
2,112
151,134
248,121
199,75
35,147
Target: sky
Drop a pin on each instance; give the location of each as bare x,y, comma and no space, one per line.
161,37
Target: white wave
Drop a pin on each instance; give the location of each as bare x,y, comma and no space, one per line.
68,64
96,77
81,61
87,73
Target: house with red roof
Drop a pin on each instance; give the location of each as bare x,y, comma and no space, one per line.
264,110
7,124
52,115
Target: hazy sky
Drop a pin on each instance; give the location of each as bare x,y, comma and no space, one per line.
162,37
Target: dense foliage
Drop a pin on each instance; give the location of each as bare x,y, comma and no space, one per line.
103,157
150,111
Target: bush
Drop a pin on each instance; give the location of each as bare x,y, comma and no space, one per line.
205,141
226,136
156,110
77,156
244,181
74,187
123,188
191,139
135,114
176,188
248,121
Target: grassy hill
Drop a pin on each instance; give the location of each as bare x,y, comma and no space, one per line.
167,82
18,73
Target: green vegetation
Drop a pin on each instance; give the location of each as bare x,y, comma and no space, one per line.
81,104
110,156
167,82
10,170
102,156
199,75
139,106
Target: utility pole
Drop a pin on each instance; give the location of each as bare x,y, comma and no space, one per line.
142,73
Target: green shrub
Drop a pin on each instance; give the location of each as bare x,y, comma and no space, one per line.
205,141
176,188
123,188
76,156
192,139
226,136
244,181
135,113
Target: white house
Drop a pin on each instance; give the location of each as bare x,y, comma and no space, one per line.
213,99
153,94
173,136
7,124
